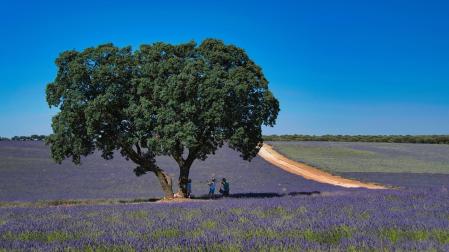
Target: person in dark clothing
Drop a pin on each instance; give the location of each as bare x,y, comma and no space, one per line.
189,188
224,190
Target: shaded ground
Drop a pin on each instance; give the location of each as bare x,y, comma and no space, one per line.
28,174
199,198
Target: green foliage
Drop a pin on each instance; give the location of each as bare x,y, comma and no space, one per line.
113,248
25,138
382,157
332,236
138,215
224,248
237,210
189,215
394,235
166,233
441,235
430,139
162,99
262,232
301,210
208,224
364,215
55,236
195,233
243,220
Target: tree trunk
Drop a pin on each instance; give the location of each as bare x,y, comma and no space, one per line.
183,180
166,183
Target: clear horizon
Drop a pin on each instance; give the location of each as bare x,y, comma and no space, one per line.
372,68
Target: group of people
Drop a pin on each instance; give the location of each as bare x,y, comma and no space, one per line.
224,188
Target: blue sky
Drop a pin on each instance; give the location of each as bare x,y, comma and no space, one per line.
352,67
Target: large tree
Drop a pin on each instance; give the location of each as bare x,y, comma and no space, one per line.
183,100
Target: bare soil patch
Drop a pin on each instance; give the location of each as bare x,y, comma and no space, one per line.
308,172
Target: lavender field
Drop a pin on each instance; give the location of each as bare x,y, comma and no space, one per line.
406,165
28,174
268,210
386,220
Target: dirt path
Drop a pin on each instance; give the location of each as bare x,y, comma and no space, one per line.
270,155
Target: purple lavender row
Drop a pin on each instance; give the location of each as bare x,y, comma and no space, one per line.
359,220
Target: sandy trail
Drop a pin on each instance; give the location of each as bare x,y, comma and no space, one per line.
270,155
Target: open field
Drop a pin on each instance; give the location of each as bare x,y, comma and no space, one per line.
28,174
385,163
370,157
41,208
309,172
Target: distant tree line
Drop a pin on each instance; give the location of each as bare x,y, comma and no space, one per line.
429,139
24,138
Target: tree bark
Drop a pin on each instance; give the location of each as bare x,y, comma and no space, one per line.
184,170
166,183
183,180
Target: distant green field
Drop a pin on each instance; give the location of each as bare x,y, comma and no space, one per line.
369,157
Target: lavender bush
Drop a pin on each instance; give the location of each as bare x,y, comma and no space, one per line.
357,220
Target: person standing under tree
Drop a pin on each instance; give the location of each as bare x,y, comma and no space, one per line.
212,188
224,190
189,188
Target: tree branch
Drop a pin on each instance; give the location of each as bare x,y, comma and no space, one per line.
139,152
136,158
191,157
177,155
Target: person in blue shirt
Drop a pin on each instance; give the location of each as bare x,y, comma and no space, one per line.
212,188
224,190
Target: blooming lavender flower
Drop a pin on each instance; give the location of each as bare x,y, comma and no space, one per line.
357,219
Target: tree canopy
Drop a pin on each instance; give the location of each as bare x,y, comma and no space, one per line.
183,100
